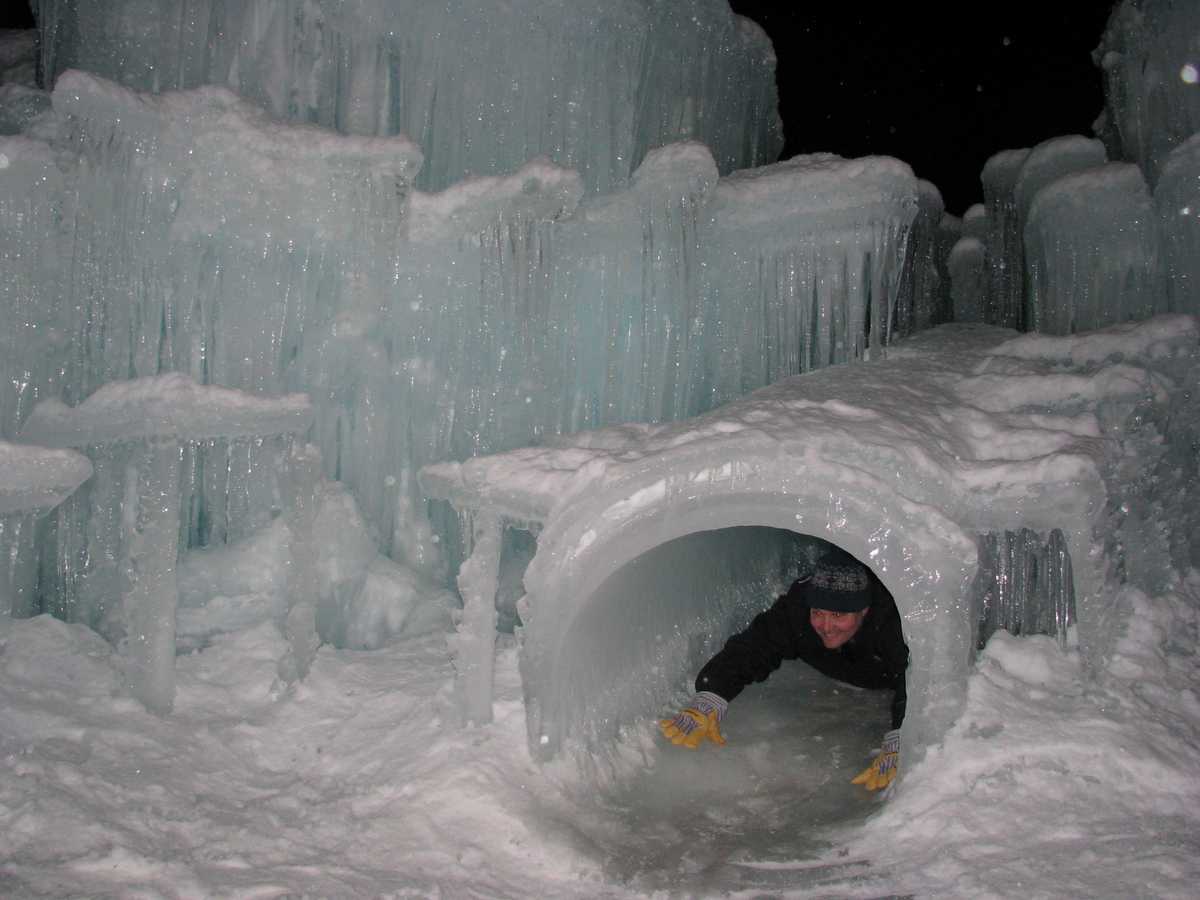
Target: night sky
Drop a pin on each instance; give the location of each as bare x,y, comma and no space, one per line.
920,82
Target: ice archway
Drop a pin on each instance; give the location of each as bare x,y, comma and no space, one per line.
651,537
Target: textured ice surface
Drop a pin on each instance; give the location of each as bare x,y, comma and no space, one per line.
1091,251
592,88
968,279
1005,298
1012,180
188,232
32,481
961,432
1151,74
126,533
165,406
34,478
1177,201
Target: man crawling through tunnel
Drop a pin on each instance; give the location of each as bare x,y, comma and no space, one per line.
840,620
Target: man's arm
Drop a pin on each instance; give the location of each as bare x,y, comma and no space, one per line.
754,653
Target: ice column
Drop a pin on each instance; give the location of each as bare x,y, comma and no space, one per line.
1005,291
300,626
968,267
1177,204
149,422
1091,250
921,303
473,645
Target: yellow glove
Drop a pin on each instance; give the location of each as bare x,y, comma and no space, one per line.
701,720
883,770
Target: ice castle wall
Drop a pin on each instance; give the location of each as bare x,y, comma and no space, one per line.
591,87
189,232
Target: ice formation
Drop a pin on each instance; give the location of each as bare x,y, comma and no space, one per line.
33,480
1091,247
936,466
1177,205
1152,101
124,536
1152,111
424,326
592,88
238,205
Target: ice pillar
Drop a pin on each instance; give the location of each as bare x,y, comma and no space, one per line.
473,646
151,595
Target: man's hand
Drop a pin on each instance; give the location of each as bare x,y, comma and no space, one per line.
883,770
700,721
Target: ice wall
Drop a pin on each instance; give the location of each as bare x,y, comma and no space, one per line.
1177,207
188,232
1148,55
481,86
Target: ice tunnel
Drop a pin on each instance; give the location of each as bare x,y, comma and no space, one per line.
655,542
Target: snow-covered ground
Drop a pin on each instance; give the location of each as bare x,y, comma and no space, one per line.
355,783
358,781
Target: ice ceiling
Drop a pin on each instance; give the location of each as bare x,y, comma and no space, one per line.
348,241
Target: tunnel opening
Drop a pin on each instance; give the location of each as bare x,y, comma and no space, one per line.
651,625
782,781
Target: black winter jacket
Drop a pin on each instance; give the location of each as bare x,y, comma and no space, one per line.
876,657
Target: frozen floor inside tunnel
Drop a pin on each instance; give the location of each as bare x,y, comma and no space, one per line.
761,808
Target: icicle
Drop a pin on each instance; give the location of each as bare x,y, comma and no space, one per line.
1024,585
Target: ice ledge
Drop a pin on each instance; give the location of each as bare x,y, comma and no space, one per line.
38,478
165,406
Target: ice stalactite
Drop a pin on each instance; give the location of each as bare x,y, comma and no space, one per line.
1024,585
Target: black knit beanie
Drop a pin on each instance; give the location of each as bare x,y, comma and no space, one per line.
839,583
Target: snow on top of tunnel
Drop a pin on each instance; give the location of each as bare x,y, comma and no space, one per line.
171,405
38,477
971,419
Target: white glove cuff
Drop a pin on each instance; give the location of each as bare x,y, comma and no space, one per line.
891,742
706,702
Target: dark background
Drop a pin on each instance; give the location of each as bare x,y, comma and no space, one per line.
921,81
940,86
